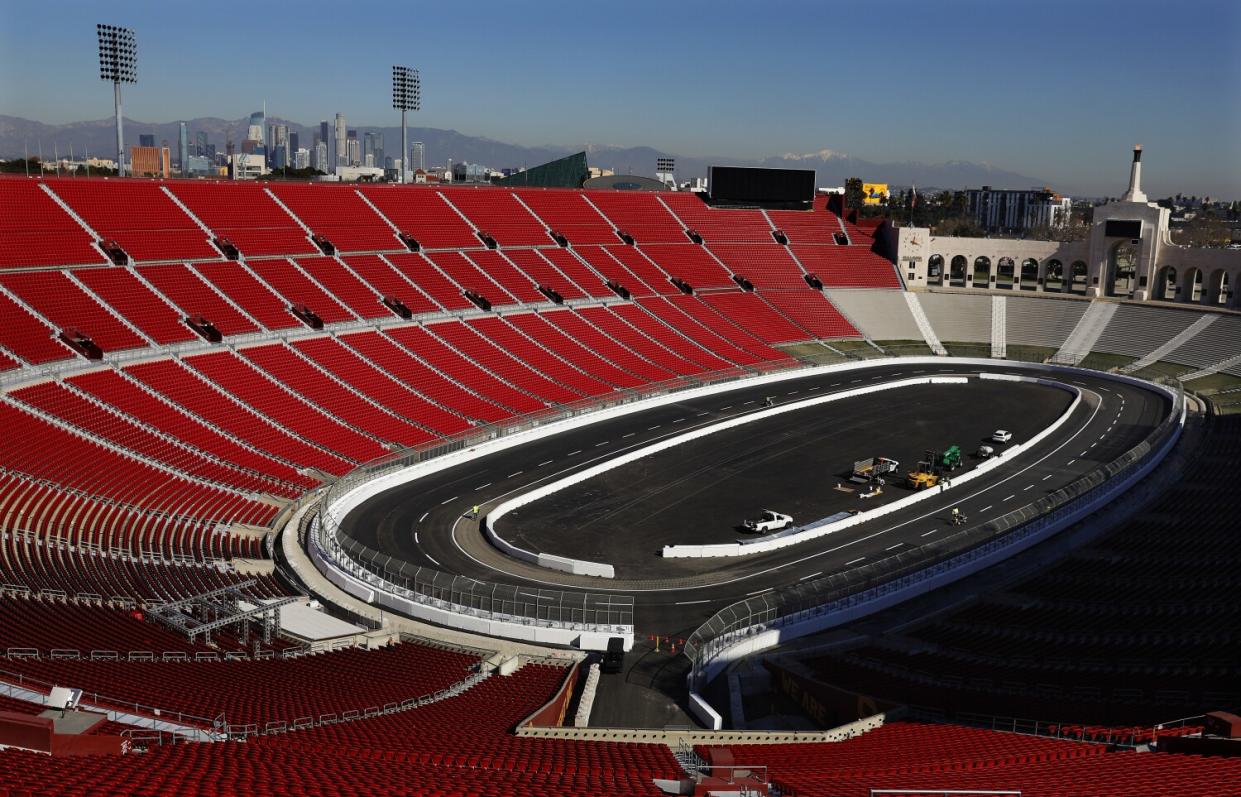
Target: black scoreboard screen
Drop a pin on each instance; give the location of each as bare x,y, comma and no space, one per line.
745,185
1116,228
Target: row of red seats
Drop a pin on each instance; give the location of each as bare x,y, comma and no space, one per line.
260,691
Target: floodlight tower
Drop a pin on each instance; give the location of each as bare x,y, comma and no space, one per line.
406,96
118,62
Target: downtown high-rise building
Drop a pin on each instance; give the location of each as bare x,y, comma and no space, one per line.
319,158
342,147
325,135
183,149
278,145
294,141
146,139
372,149
354,148
417,156
200,143
257,126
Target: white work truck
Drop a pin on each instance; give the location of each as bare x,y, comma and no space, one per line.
767,521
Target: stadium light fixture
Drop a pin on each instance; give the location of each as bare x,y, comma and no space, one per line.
118,63
406,96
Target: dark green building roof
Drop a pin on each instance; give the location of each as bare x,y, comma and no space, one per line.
566,172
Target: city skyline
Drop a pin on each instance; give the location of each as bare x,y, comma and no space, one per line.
908,83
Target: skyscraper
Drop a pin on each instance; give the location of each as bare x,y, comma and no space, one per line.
326,137
294,142
353,149
418,159
183,149
200,143
146,139
342,148
278,145
258,123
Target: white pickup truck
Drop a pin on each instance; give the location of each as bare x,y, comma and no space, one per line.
768,521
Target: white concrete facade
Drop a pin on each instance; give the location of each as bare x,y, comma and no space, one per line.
1129,254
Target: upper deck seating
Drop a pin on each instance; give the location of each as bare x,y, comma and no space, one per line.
569,214
246,215
337,213
38,232
139,216
423,214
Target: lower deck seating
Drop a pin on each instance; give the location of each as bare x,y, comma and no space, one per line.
258,691
936,758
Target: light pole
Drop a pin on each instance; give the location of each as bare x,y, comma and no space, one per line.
406,96
118,63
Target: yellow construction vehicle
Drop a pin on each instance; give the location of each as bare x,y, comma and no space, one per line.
925,475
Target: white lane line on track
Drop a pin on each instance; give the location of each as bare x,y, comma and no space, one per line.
653,428
776,568
855,561
792,393
854,381
548,462
987,507
748,403
1027,487
432,558
760,591
929,533
1048,476
482,486
690,603
454,498
604,443
574,453
834,384
699,415
424,516
631,434
813,389
1009,497
1070,462
678,420
513,475
729,407
894,547
812,575
415,538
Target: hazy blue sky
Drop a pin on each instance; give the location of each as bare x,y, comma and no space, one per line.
1056,88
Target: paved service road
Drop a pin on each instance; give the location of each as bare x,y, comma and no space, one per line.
423,522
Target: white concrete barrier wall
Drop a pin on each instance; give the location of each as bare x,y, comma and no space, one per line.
702,710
